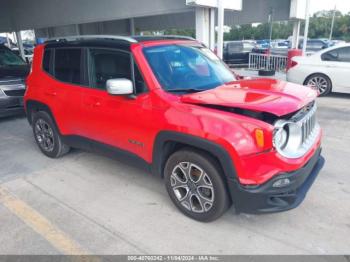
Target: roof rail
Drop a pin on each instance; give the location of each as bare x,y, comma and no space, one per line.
81,37
180,37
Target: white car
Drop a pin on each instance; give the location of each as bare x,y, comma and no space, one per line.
327,70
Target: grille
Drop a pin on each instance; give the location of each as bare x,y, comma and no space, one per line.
308,124
302,130
19,92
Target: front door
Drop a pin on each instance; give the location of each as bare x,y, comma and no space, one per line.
116,120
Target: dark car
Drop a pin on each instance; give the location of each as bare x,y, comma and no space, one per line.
237,52
315,45
13,71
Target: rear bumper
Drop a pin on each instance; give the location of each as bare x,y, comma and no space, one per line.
267,199
294,77
10,106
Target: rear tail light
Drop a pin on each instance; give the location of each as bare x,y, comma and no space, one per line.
293,64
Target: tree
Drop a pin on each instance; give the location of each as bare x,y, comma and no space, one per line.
320,26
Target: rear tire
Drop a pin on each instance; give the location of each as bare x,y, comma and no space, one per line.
320,82
195,186
267,72
47,136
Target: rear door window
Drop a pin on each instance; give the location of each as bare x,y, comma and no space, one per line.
337,55
235,47
68,65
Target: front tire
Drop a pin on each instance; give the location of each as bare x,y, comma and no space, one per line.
195,186
47,136
320,82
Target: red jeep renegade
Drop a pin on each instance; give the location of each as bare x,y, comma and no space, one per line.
170,105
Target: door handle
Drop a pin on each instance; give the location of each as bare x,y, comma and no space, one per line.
96,104
50,93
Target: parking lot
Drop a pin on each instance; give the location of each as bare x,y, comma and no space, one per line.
86,203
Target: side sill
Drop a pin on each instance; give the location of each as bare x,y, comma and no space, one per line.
118,154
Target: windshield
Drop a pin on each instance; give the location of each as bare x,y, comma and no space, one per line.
7,58
182,67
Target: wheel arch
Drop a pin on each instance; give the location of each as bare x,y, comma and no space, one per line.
318,73
168,142
36,106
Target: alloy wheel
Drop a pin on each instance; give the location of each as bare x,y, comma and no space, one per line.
318,82
192,187
44,135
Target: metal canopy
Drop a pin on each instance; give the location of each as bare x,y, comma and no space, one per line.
18,15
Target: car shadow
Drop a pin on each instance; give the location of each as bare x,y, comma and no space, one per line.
11,118
339,95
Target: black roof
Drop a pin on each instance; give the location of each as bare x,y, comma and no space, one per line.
109,41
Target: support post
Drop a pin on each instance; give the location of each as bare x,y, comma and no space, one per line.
221,13
8,40
77,29
20,44
202,25
132,26
296,34
212,29
307,22
332,26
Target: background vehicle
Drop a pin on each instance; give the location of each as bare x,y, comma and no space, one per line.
173,107
262,44
237,52
327,70
315,45
27,52
262,47
13,71
6,42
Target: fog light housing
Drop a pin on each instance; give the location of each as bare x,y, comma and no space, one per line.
283,182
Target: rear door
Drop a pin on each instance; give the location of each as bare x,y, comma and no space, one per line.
63,92
337,63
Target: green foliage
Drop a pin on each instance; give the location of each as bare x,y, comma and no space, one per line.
320,26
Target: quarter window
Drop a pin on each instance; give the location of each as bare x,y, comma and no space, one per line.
68,65
47,60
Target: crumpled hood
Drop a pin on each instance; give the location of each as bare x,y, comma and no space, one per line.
262,95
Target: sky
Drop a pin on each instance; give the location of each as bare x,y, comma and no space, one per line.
318,5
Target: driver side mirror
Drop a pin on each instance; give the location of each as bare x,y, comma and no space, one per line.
119,86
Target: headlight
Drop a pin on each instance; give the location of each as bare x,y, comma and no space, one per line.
280,138
287,138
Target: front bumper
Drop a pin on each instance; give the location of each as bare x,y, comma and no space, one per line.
10,106
267,199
